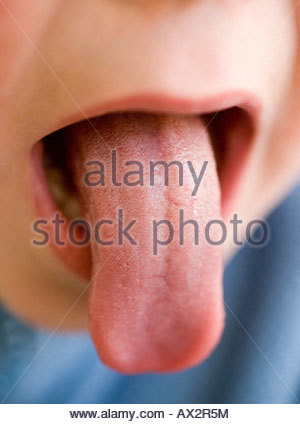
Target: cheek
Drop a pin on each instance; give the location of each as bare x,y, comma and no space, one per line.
22,25
280,158
275,163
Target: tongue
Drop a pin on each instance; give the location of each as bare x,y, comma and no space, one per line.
156,298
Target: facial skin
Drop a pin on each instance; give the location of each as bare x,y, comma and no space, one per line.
64,61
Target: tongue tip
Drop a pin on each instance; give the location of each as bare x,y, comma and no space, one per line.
130,361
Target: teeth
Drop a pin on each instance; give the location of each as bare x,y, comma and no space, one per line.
63,194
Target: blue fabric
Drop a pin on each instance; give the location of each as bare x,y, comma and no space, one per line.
257,361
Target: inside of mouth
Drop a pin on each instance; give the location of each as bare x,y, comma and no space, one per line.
231,133
58,175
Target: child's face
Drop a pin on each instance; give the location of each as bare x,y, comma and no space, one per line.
64,61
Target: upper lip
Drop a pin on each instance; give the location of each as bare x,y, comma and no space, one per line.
158,103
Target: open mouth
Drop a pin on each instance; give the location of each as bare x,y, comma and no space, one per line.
140,186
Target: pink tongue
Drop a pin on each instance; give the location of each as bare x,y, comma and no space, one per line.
150,311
